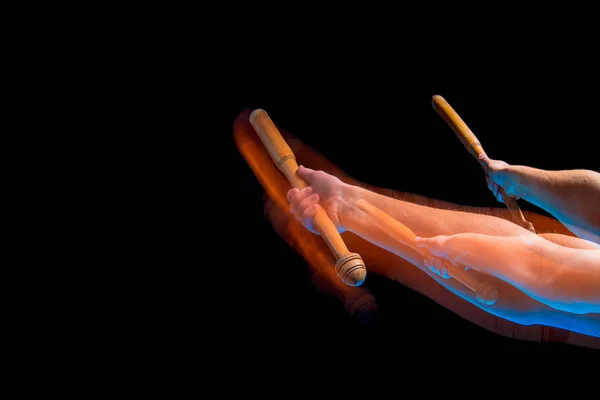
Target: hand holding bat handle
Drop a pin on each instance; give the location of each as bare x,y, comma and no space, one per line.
349,266
484,292
472,144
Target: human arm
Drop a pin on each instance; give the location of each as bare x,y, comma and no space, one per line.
572,196
523,318
513,305
564,278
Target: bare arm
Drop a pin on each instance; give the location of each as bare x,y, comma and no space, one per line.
527,319
426,221
514,304
564,278
572,196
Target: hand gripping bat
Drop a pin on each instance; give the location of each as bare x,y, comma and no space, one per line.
472,144
349,266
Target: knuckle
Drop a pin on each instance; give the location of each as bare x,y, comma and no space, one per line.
443,240
290,194
309,212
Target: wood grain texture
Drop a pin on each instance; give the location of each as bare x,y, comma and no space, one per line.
472,144
349,266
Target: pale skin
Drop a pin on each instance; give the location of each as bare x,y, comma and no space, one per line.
571,196
515,314
564,278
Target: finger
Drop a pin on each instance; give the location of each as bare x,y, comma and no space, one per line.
300,195
443,269
485,162
306,173
495,190
434,266
307,202
435,245
438,267
429,264
304,193
504,195
307,217
294,210
458,250
296,197
498,192
291,193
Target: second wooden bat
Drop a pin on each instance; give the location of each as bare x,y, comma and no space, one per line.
472,144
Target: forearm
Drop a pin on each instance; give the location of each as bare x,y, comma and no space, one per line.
424,221
564,278
530,263
519,324
573,196
367,226
513,305
428,221
577,284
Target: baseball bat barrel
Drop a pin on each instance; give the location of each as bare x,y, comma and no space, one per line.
349,266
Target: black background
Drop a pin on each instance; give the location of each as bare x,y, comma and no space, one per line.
376,123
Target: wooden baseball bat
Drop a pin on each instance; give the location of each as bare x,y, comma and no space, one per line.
349,266
484,292
472,144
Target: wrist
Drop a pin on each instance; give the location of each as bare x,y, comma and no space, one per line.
513,179
347,205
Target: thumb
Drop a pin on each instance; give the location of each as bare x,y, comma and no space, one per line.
306,173
485,162
435,245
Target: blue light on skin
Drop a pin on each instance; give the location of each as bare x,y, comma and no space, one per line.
581,228
587,324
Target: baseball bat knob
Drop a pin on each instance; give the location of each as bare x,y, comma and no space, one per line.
351,269
487,294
